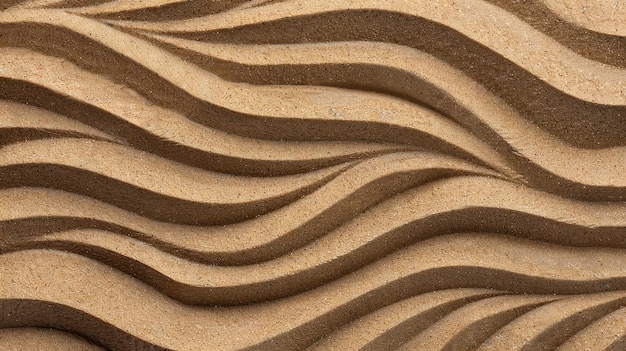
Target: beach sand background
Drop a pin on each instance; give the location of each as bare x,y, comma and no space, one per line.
323,175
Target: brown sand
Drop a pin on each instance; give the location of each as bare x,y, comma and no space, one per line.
324,175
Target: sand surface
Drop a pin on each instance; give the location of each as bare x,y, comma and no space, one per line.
312,174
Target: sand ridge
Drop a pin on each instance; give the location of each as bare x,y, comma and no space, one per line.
290,175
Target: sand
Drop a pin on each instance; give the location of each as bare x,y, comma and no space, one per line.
322,175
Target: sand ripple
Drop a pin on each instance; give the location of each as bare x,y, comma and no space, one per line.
289,175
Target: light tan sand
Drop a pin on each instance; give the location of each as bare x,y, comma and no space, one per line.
323,175
43,339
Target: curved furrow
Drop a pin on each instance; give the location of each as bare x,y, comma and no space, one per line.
10,136
578,179
441,87
76,326
558,333
67,3
18,116
391,326
593,30
596,193
596,25
312,115
125,5
19,123
43,339
598,16
291,323
469,326
13,135
540,102
133,9
159,10
95,101
339,201
213,150
195,283
149,185
484,23
454,205
599,37
547,327
599,335
379,67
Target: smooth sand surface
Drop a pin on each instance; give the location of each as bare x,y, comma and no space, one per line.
321,175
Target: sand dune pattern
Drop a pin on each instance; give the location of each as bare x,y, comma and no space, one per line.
311,174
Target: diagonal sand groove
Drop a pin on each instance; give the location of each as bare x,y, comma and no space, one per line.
395,222
42,338
174,318
588,171
202,284
601,334
465,17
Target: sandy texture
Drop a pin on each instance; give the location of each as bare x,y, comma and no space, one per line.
312,174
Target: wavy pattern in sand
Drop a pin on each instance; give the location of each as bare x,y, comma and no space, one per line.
289,175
